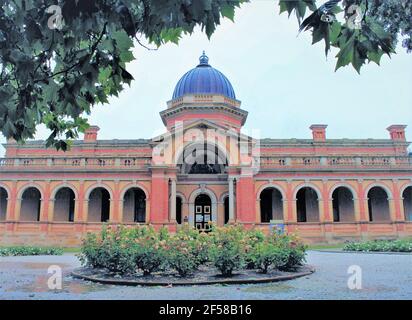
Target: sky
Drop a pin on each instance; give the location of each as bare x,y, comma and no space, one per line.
284,82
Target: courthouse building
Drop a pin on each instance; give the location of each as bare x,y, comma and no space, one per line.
205,168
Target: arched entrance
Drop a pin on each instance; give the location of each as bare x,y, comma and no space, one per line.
407,203
226,207
64,203
378,205
203,212
307,205
99,205
3,203
30,205
343,205
134,206
271,205
179,210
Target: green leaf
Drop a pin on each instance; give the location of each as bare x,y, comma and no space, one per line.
228,11
375,56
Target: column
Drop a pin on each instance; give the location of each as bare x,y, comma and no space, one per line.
159,198
231,200
173,200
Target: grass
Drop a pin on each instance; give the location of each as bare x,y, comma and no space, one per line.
72,250
325,246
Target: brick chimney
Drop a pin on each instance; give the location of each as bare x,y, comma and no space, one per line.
90,135
318,132
397,132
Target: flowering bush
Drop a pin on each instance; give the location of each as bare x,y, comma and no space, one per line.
253,238
126,250
380,246
228,250
186,251
149,250
266,255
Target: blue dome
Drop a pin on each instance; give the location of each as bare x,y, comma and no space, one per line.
204,79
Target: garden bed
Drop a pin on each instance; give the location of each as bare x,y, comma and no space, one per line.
204,276
231,254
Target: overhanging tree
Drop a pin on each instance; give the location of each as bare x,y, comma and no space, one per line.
59,58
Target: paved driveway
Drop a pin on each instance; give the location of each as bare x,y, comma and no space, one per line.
383,277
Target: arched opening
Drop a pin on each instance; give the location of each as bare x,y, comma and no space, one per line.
3,203
226,207
271,205
179,210
134,205
378,205
343,206
99,205
307,205
203,212
30,205
202,158
64,205
407,203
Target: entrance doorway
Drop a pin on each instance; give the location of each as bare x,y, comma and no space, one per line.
203,212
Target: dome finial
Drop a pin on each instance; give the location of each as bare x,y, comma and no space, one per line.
203,60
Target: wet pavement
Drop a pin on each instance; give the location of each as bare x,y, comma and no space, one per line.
380,276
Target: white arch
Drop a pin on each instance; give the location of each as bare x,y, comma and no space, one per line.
98,185
270,186
192,199
223,196
182,196
131,186
6,188
406,186
307,185
381,185
200,191
343,185
30,185
64,185
178,157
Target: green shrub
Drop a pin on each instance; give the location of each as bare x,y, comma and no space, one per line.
268,255
150,251
227,252
253,238
402,245
30,251
293,246
185,251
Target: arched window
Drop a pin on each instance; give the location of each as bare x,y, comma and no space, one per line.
378,205
179,210
134,205
407,203
99,205
271,205
64,205
3,203
203,159
30,205
226,207
307,205
343,206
